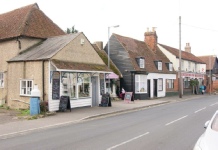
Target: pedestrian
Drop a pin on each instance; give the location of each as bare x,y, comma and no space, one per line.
123,93
205,88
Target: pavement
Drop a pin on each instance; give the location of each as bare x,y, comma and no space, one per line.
14,126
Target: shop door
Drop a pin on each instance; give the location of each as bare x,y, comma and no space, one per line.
94,91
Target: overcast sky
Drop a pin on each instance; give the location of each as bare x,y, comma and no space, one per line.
92,17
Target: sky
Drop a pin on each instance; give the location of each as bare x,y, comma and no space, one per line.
199,19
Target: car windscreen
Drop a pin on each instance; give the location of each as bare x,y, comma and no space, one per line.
214,125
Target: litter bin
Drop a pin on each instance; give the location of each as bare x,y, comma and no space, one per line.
35,101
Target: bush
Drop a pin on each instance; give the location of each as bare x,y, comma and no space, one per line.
43,106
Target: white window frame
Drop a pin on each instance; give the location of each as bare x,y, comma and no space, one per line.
189,65
28,90
141,80
1,80
159,65
170,83
160,84
170,67
142,63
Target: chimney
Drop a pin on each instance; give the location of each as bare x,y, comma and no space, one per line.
99,44
188,48
151,39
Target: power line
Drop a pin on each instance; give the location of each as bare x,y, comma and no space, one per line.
200,27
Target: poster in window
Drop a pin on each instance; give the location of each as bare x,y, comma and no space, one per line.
56,85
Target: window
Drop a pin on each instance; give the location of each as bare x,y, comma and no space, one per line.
189,66
186,82
170,83
160,84
182,65
159,65
84,85
142,63
170,67
26,87
77,85
1,79
140,84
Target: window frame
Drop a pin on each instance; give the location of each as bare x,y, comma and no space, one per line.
140,77
141,63
159,65
170,66
160,84
28,89
1,79
170,85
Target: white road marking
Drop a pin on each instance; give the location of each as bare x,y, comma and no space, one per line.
115,146
200,110
213,104
176,120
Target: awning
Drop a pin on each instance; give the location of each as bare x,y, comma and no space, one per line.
112,76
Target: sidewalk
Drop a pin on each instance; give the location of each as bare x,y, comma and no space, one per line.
79,114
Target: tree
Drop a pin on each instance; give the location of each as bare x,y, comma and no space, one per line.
194,83
72,30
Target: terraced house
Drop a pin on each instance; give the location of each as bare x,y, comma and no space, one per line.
35,51
191,67
144,68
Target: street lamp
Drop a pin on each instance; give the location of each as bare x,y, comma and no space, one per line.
109,51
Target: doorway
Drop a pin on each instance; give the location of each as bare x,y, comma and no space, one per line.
155,87
94,91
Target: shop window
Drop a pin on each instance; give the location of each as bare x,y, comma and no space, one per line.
186,82
170,83
1,79
160,84
83,85
77,85
26,87
140,84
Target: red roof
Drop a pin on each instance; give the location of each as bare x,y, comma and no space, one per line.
27,21
136,48
209,60
184,55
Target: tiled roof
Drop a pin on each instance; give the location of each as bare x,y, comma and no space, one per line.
136,48
65,65
209,60
184,55
46,49
27,21
104,57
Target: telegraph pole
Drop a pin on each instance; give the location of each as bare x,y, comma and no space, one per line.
180,70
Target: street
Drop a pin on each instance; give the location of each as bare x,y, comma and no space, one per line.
173,126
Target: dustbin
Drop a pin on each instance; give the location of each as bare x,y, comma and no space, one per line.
35,101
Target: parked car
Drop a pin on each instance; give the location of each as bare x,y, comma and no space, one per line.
209,139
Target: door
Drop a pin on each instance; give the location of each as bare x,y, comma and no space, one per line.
148,87
155,87
94,91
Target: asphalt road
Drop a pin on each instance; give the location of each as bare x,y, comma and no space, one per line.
173,126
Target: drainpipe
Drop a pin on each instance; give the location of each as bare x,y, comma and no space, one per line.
43,84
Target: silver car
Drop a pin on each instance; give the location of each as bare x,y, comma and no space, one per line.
209,139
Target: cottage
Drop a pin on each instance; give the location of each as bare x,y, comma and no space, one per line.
145,69
20,29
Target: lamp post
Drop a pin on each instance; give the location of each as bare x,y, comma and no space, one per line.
109,50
